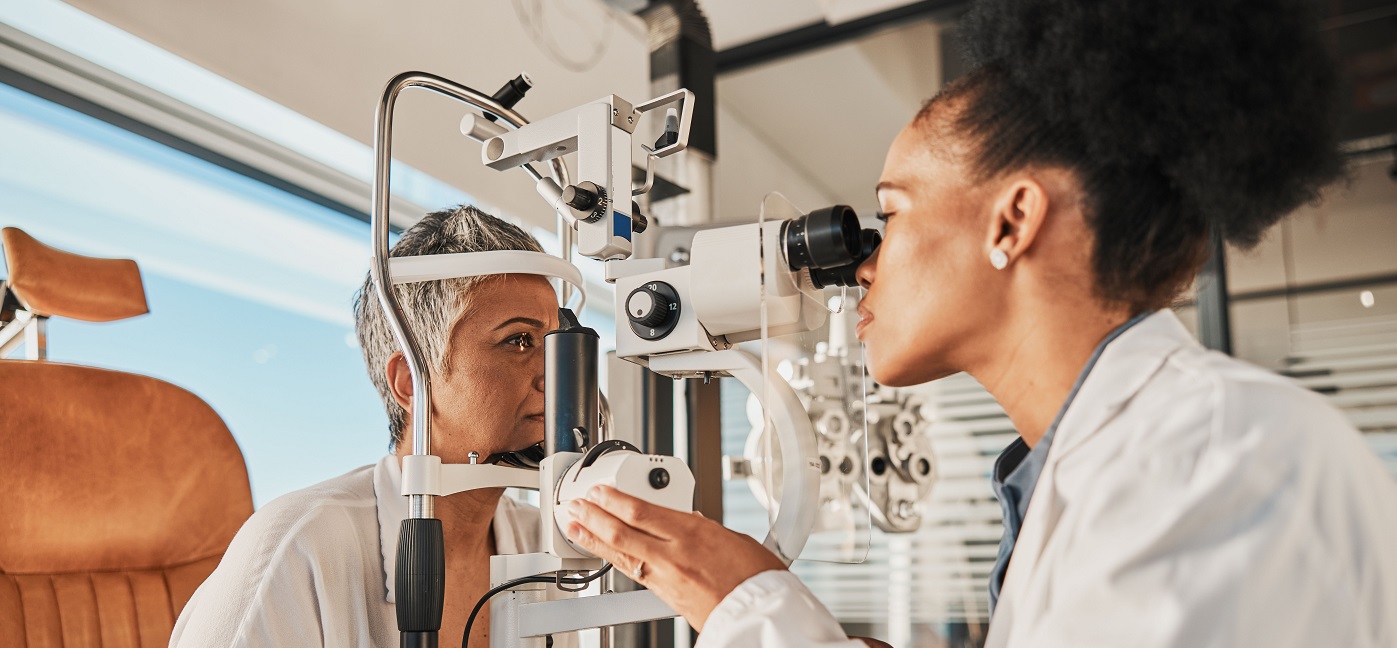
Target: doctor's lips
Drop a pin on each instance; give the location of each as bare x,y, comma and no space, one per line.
865,318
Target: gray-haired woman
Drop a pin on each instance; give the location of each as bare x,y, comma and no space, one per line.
316,566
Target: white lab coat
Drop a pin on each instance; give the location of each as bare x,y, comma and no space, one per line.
1188,500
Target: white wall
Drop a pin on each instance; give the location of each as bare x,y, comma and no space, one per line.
831,114
1353,233
750,167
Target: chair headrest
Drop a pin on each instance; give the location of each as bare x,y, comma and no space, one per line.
52,282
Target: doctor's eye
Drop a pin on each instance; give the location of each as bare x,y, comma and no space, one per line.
522,341
882,216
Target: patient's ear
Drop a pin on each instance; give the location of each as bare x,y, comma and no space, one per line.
400,381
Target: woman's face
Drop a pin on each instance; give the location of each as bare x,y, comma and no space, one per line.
926,301
490,398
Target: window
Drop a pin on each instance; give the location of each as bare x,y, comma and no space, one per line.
250,288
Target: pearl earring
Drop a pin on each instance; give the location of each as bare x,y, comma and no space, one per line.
999,259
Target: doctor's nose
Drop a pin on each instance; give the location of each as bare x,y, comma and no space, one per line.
868,268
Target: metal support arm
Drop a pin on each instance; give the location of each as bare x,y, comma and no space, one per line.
421,505
420,571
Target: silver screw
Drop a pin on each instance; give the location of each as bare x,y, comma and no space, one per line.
679,255
474,457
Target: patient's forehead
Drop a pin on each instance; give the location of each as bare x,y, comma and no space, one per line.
505,297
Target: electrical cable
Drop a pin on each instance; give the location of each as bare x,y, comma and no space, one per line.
556,579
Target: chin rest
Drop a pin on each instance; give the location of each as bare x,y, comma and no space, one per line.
50,282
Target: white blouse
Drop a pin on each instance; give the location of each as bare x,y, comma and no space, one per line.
316,567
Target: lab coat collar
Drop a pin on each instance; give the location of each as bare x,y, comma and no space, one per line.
1124,367
393,509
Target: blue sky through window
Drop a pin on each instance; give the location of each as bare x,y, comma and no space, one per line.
250,288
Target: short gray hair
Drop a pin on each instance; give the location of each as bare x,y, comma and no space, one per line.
429,307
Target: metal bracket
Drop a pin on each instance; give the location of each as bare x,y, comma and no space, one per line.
555,617
426,475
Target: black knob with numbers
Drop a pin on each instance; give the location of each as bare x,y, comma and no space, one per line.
653,310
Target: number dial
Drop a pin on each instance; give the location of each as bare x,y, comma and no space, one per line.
653,310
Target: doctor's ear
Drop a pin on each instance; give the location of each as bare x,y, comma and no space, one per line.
400,380
1016,218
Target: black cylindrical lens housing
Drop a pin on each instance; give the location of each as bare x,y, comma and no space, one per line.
570,384
845,275
824,238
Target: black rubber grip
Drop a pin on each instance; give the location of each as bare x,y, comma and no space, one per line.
420,581
418,639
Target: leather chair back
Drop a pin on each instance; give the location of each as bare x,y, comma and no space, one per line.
119,494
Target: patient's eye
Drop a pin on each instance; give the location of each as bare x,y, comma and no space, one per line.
521,341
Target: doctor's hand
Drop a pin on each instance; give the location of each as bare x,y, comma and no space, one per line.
687,560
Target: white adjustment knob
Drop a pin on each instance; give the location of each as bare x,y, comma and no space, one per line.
641,305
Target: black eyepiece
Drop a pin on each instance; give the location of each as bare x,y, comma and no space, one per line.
824,238
829,243
845,275
511,92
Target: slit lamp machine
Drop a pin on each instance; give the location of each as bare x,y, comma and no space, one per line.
743,284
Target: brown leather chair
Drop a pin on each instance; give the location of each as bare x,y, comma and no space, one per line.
119,493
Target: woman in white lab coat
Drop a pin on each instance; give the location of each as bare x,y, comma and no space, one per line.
1042,213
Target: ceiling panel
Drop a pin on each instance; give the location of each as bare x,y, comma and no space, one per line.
736,22
832,113
329,60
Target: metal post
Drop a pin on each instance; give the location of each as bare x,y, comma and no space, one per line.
1214,317
36,338
681,56
704,400
644,416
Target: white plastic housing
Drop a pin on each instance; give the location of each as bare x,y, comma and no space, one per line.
688,334
628,472
600,133
720,293
728,299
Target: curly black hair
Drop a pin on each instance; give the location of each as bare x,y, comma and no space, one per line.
1181,118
